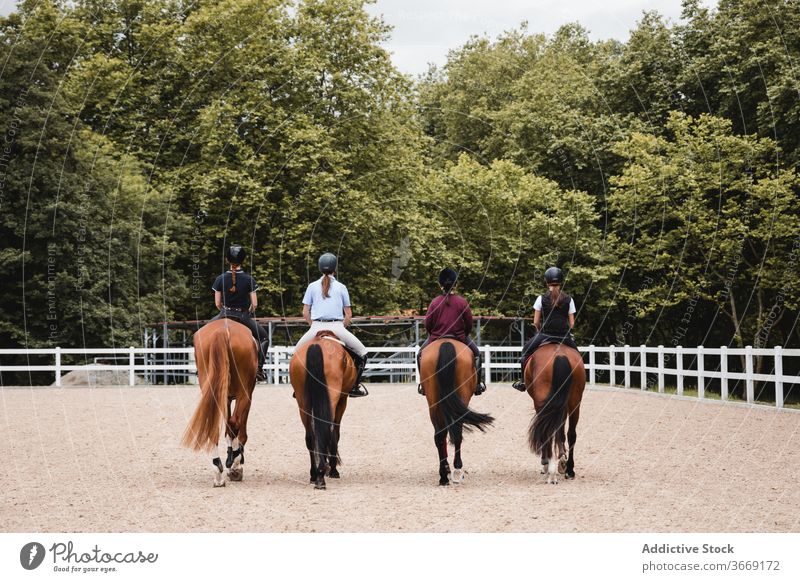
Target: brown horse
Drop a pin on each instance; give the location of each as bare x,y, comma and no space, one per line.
227,363
448,381
322,373
555,379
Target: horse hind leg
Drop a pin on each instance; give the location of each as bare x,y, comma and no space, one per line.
572,436
235,459
440,439
310,447
458,473
218,472
561,451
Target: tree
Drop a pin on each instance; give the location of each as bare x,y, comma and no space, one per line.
704,223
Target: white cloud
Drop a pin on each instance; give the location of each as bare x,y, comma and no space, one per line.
424,30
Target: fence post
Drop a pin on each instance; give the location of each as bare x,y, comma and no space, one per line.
643,366
487,365
276,367
58,366
723,371
131,364
701,382
778,377
679,369
660,368
592,376
416,368
626,359
611,366
748,365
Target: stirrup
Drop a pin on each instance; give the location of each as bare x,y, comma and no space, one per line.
420,389
480,388
359,391
519,385
261,375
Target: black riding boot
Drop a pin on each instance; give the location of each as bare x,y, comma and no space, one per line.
420,390
480,387
358,388
520,384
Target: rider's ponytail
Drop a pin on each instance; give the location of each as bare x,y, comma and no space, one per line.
556,295
326,285
233,278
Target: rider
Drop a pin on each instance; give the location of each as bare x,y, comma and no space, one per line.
326,305
558,310
449,315
235,297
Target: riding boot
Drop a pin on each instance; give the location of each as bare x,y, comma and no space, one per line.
261,375
480,387
520,384
358,388
420,389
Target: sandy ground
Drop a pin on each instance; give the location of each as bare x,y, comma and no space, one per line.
108,460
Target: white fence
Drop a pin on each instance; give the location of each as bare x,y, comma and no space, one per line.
634,365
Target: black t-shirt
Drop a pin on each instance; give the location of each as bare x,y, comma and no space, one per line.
240,298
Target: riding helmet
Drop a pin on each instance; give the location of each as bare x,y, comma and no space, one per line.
554,275
327,263
236,254
447,277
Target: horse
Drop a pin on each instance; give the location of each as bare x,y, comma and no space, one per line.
322,372
227,362
555,378
448,382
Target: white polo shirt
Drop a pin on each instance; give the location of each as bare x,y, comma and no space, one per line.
331,307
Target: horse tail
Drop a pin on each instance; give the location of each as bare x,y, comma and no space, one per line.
550,418
206,422
453,409
316,390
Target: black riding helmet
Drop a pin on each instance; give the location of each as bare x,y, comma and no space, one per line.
554,275
327,263
447,277
236,254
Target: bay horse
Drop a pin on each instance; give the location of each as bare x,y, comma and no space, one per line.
555,378
227,362
322,373
448,381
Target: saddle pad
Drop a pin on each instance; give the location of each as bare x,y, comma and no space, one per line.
333,339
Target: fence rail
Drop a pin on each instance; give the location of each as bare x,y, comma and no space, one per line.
498,362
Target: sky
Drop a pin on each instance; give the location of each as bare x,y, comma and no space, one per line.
424,30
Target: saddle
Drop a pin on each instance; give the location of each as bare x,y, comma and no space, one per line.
548,339
329,335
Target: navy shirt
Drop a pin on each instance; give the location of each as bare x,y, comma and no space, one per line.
239,299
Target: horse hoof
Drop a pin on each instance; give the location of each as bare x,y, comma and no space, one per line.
318,486
458,476
334,474
219,484
443,482
569,475
235,474
562,466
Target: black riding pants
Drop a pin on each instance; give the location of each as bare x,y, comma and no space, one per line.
244,318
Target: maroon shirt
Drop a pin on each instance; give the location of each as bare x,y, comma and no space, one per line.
454,319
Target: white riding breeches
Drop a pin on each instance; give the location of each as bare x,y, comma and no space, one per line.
341,332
